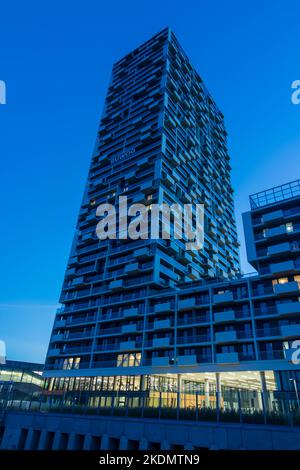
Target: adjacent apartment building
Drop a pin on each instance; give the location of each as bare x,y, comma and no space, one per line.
148,316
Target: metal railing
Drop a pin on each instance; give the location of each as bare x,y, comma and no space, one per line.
275,194
232,405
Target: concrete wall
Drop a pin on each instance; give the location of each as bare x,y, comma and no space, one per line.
40,431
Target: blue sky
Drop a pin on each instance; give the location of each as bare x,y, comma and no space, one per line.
56,60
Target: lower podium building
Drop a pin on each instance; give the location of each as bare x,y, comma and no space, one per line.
201,341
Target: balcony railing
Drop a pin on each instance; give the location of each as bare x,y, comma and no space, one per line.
77,350
193,320
75,321
270,355
265,332
193,339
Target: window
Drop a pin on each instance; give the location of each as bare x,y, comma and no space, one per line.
71,363
289,227
129,360
281,280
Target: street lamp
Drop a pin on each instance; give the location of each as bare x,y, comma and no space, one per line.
296,390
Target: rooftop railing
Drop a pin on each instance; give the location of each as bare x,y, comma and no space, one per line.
275,194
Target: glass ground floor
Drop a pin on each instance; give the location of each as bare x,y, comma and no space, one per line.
228,390
237,396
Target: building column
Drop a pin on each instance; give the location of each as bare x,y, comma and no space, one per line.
264,390
71,441
104,442
56,441
218,393
141,399
218,384
179,391
143,444
188,446
123,443
29,438
206,392
87,444
43,440
165,445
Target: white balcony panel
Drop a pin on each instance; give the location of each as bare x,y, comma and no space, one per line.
286,288
186,360
161,342
227,358
223,317
225,297
160,361
225,336
288,308
282,268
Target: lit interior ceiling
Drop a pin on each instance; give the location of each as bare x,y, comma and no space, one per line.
245,379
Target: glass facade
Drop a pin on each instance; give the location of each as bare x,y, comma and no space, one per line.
20,381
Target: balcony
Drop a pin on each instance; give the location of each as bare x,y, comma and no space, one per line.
78,281
127,345
225,336
227,358
279,249
53,352
109,331
282,268
223,297
163,307
161,324
116,285
132,268
286,288
272,216
193,339
129,328
161,342
59,323
77,349
81,320
288,308
276,231
268,332
142,253
130,312
186,360
160,361
57,337
71,272
271,355
224,317
79,335
195,320
187,304
290,331
88,237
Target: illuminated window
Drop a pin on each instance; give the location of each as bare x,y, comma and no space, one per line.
71,363
281,280
129,360
297,279
289,227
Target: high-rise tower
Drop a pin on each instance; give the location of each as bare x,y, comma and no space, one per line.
161,140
